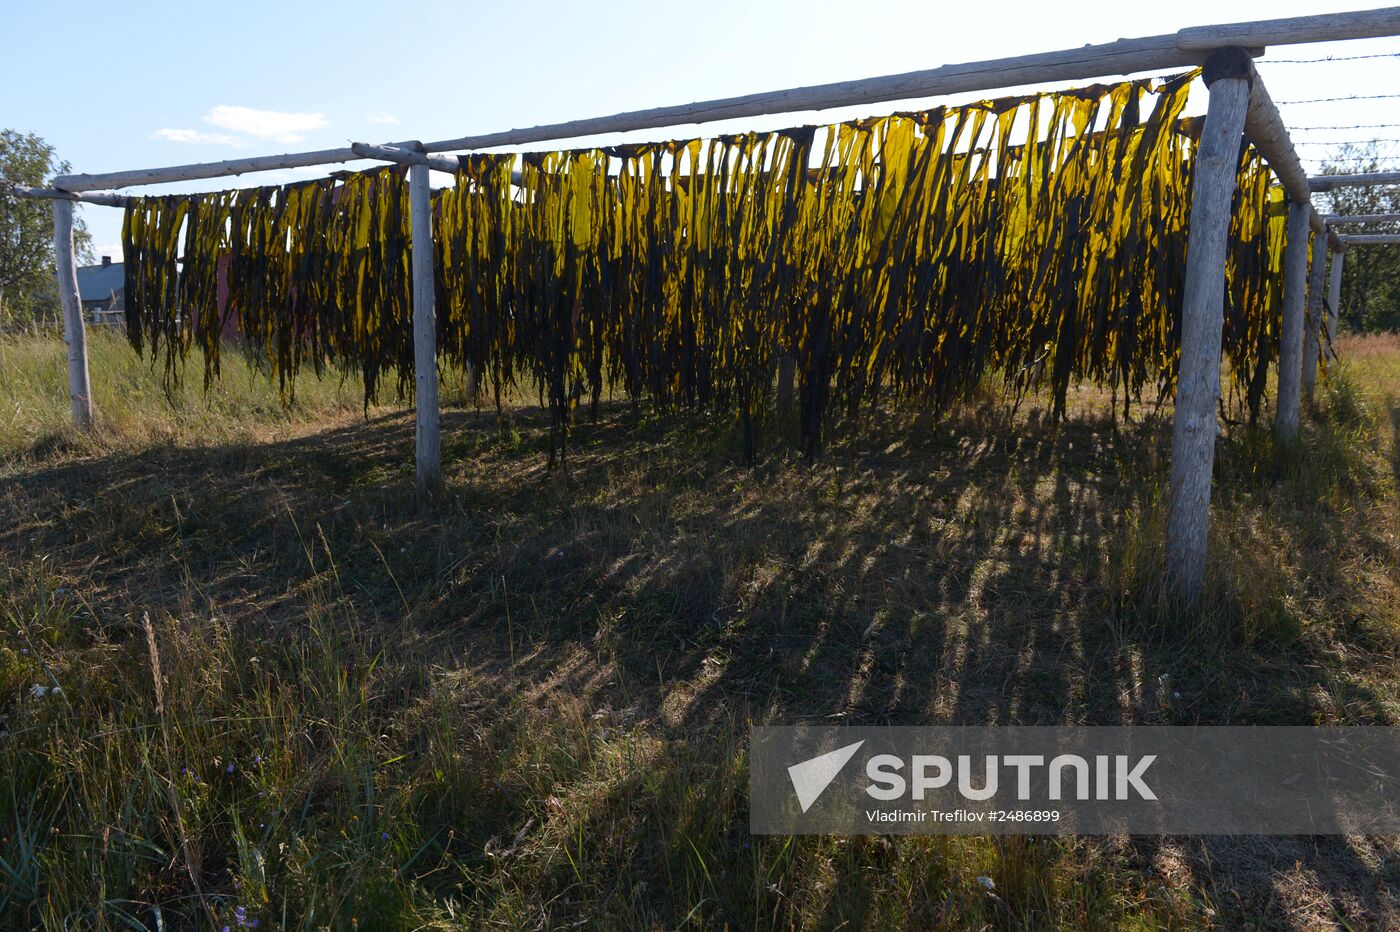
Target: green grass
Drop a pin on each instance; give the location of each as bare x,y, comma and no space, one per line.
529,709
134,407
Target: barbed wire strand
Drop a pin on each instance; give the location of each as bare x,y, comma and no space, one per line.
1340,142
1353,126
1320,161
1330,100
1313,61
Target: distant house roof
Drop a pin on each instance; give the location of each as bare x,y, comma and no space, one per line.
100,282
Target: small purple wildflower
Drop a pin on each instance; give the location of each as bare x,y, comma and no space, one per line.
383,836
230,767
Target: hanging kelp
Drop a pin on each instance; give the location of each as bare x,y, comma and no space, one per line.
311,272
475,226
1254,281
150,251
1037,240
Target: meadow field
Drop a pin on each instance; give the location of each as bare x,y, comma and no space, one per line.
244,679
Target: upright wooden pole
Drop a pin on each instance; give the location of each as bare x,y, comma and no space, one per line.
1228,75
427,426
74,332
1334,299
1312,336
1290,350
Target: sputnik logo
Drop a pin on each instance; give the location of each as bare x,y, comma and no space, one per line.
811,777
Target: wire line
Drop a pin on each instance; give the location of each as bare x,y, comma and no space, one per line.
1353,126
1313,61
1328,100
1338,142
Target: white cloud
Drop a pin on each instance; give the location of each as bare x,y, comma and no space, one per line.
380,116
268,124
198,138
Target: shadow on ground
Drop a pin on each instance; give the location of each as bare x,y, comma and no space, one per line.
969,571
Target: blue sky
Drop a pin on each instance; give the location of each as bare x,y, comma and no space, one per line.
147,84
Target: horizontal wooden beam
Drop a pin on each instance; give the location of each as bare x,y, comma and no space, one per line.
199,170
1124,56
1373,239
1327,27
1361,179
1265,129
1335,219
50,194
404,155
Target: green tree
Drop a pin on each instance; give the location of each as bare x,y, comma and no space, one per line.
27,290
1371,274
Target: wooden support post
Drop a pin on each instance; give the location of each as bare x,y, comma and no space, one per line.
427,425
1334,300
74,331
1312,334
1290,350
1228,74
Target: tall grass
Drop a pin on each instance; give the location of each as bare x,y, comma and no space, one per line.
286,696
278,776
134,407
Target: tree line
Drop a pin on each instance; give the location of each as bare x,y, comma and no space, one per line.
1371,274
